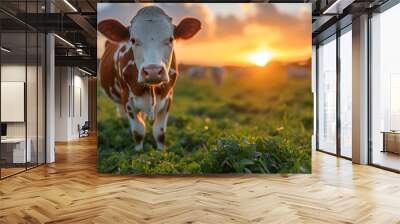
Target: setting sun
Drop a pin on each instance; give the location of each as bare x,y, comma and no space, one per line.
237,34
260,58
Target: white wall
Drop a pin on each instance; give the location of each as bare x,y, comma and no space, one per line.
33,127
12,73
16,73
71,94
79,117
62,81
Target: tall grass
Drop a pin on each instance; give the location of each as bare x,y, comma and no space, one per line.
256,123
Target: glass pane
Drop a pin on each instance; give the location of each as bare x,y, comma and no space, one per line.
31,98
386,89
41,99
23,92
13,86
313,84
327,97
346,94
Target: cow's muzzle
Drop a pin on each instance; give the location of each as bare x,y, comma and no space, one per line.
154,74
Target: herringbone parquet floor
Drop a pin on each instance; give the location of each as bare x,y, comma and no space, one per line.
70,191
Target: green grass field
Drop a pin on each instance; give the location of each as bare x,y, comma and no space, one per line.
258,123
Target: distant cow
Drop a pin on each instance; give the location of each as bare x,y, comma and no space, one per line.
214,73
196,72
296,71
138,68
217,74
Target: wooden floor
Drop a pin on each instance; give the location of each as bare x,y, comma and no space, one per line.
5,172
387,159
70,191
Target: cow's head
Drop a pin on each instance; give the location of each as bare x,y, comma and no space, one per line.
151,35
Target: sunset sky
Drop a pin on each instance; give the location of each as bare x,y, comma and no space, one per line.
232,33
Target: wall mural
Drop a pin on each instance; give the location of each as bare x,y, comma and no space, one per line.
204,88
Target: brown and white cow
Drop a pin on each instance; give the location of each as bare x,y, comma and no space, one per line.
138,68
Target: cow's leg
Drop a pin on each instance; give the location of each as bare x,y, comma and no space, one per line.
160,125
138,128
123,107
121,111
136,121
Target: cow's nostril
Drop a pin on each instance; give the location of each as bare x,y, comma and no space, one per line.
145,73
153,69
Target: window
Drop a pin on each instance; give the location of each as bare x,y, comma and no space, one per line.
385,89
346,93
22,77
327,96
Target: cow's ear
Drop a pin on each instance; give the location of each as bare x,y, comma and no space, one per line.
187,28
113,30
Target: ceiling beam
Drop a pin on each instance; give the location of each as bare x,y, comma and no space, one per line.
78,61
337,7
84,24
321,22
49,22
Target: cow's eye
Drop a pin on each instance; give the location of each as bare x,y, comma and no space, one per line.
135,42
169,41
